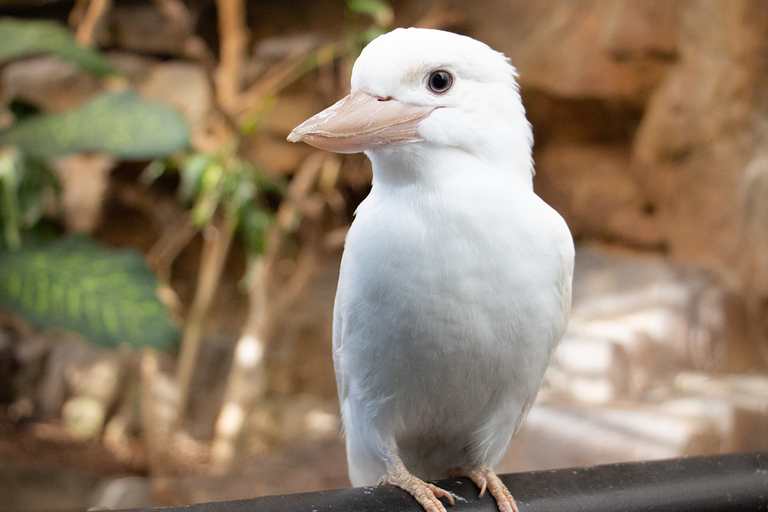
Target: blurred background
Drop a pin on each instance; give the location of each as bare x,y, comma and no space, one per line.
168,261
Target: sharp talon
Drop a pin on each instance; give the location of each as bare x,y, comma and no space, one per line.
482,488
506,507
428,495
443,493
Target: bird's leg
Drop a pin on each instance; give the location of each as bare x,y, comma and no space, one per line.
485,478
425,493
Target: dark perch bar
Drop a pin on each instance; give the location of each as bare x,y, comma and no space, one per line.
713,483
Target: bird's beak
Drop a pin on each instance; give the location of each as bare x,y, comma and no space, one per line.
361,121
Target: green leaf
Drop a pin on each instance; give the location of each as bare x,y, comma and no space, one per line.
20,38
36,179
23,183
254,225
10,213
74,284
120,123
191,176
379,10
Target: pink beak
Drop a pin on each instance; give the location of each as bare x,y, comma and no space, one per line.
361,121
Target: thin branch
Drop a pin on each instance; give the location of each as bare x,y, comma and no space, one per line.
233,37
245,384
91,19
217,238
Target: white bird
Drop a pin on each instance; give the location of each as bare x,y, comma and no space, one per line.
455,283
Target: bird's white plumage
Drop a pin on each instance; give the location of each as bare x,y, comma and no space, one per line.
455,281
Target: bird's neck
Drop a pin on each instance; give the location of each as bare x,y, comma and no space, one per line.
431,166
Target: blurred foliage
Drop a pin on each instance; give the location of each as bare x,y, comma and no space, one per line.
73,283
225,182
27,38
120,123
106,295
378,11
24,181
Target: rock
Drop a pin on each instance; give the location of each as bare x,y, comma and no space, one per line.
596,193
617,50
701,128
123,493
558,435
48,82
589,370
666,316
746,394
142,28
83,417
725,415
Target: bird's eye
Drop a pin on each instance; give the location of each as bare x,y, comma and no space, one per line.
439,81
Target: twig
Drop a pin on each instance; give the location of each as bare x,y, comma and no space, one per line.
245,384
77,13
93,15
284,73
172,241
197,50
233,37
217,238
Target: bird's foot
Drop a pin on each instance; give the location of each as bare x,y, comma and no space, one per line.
485,478
428,495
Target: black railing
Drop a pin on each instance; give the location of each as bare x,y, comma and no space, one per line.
714,483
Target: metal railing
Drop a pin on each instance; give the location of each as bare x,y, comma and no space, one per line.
713,483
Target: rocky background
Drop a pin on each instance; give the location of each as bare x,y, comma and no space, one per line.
650,119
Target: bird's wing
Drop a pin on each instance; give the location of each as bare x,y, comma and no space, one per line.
338,342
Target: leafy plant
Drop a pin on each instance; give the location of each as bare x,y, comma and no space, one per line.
378,11
120,123
26,38
23,182
106,295
209,182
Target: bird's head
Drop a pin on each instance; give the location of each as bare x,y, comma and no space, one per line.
415,91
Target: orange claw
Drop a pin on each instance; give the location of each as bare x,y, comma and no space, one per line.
428,495
485,478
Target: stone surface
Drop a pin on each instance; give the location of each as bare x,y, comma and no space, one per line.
142,28
646,113
593,188
47,82
701,127
557,435
600,49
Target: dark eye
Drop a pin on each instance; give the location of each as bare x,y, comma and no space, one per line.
439,81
